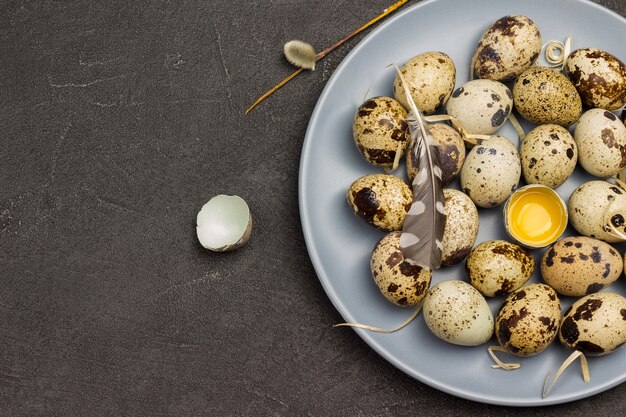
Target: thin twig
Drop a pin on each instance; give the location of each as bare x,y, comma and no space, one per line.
328,50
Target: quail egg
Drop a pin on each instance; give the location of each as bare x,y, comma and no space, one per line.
382,200
430,77
601,140
580,265
451,153
456,312
588,206
545,96
528,321
595,324
491,172
461,230
508,47
400,280
498,267
548,155
599,77
482,106
379,125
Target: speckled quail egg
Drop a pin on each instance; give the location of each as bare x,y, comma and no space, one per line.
498,267
588,205
548,155
601,140
461,230
379,125
580,265
382,200
451,153
491,172
400,280
595,324
482,106
507,48
430,77
456,312
545,96
599,77
528,321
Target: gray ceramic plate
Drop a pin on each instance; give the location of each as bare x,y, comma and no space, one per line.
340,244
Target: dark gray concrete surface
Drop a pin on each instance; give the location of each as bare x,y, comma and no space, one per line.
118,120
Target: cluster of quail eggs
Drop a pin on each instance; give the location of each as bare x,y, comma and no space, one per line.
572,111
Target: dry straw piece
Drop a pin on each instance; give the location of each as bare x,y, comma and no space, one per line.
571,358
418,308
498,363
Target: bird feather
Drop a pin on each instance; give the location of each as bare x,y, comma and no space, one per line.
422,231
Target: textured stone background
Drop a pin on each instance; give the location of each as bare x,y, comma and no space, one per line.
118,120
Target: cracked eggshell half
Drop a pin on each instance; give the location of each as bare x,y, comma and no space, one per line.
224,223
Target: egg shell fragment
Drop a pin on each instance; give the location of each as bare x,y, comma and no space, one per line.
400,280
451,153
588,205
509,46
599,77
595,324
482,106
457,313
498,267
528,321
379,125
545,96
491,172
461,230
601,140
549,155
380,199
579,265
430,77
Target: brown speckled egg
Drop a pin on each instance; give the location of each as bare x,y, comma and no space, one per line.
580,265
491,172
548,155
507,48
399,280
498,267
599,77
431,77
379,125
461,230
451,153
601,140
545,96
482,106
588,205
528,321
456,312
381,199
595,324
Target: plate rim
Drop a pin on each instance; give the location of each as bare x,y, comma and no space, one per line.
319,268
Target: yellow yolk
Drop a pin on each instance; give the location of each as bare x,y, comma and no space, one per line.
536,216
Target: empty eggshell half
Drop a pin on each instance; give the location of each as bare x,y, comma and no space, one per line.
224,223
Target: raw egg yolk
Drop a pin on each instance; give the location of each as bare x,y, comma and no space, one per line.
536,216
